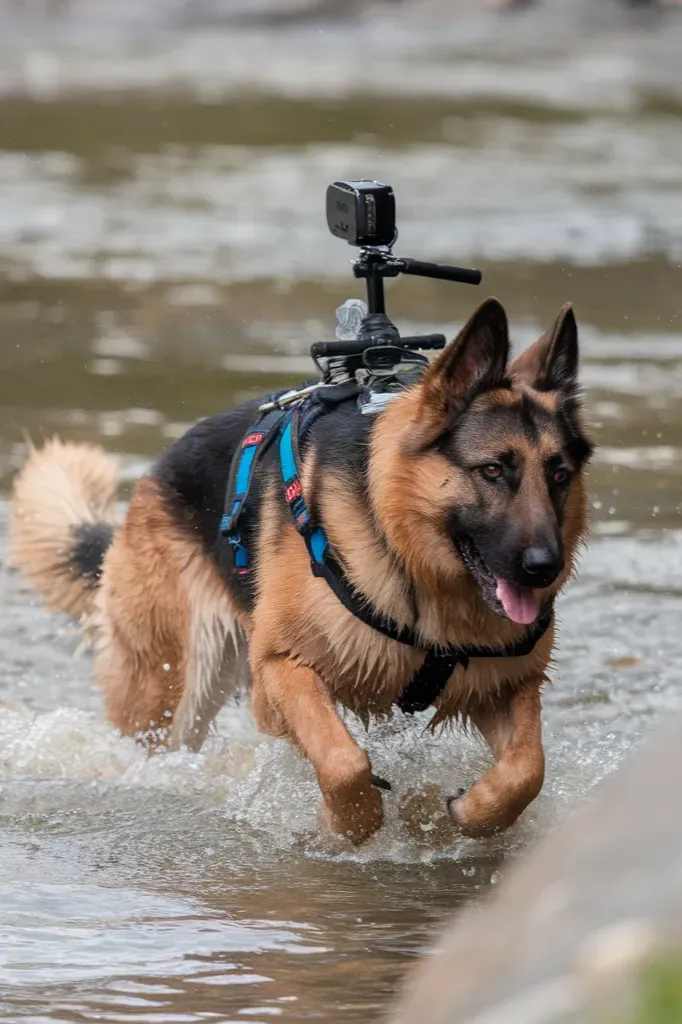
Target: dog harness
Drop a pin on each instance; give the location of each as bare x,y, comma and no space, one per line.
288,428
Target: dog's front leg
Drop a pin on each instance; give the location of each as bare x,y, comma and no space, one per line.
512,728
291,700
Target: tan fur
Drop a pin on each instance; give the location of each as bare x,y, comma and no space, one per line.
302,633
298,615
167,634
502,397
513,731
171,643
299,705
59,487
547,399
490,399
299,627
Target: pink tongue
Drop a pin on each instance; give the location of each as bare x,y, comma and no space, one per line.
520,605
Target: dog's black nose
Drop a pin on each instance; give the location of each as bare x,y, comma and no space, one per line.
541,565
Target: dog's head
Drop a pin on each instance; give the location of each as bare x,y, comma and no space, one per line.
478,469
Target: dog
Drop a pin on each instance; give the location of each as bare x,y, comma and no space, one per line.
456,513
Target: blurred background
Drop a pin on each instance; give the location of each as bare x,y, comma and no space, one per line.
163,254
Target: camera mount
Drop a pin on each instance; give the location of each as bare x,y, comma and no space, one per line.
363,213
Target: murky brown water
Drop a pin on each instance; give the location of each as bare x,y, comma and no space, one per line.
163,253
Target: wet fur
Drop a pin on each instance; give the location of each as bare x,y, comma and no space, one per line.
176,630
62,522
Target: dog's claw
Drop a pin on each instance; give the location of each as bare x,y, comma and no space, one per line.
381,783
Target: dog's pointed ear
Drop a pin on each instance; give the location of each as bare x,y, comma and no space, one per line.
476,359
551,362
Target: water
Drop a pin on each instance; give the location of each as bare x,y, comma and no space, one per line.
163,254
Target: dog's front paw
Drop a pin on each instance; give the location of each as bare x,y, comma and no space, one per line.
352,804
485,811
468,813
357,818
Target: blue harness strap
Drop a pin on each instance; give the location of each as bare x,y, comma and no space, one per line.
255,441
323,562
314,536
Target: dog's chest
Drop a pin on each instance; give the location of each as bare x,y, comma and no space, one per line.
368,672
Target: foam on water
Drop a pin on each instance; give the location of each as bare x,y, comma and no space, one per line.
263,784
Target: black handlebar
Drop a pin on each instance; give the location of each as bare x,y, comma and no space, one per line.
423,341
321,349
440,272
374,264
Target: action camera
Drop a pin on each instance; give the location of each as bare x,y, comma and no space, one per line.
361,212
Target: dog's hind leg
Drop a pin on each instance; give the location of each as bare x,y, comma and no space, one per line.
291,700
141,627
513,731
162,626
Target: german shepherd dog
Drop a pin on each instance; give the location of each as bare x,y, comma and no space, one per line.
457,511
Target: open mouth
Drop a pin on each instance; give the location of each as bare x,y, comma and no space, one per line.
519,604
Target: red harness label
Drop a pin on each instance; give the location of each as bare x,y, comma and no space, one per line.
252,439
293,491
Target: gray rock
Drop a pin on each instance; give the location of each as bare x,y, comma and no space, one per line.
571,921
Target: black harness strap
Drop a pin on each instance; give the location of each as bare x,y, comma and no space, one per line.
428,682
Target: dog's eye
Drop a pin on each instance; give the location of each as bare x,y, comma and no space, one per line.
560,476
492,470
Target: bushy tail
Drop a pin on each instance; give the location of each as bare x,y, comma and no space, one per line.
62,521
